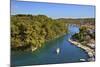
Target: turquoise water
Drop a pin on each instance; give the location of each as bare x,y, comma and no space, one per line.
47,54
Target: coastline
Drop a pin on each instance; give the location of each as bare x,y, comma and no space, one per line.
89,51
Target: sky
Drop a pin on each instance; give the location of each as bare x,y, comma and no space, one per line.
52,10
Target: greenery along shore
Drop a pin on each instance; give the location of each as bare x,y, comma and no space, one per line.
85,39
30,31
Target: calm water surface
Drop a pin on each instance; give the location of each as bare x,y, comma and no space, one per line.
47,54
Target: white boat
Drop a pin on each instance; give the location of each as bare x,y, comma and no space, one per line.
33,48
82,60
58,50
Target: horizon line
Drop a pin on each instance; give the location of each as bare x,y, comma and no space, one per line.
54,17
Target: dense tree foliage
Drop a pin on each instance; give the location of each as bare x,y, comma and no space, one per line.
78,20
85,34
33,31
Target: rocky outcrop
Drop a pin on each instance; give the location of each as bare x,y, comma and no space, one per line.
91,52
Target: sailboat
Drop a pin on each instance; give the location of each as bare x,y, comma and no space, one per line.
58,50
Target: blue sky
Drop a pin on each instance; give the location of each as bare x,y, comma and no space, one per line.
53,10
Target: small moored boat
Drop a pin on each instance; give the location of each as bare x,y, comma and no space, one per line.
82,60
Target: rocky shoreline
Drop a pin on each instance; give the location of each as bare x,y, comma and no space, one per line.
91,52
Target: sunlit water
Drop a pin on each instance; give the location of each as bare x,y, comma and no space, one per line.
47,54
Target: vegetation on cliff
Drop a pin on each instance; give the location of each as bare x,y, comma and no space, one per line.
85,39
34,30
86,36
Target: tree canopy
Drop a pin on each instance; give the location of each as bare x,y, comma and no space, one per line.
30,30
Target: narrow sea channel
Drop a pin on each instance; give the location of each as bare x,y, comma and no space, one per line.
47,54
